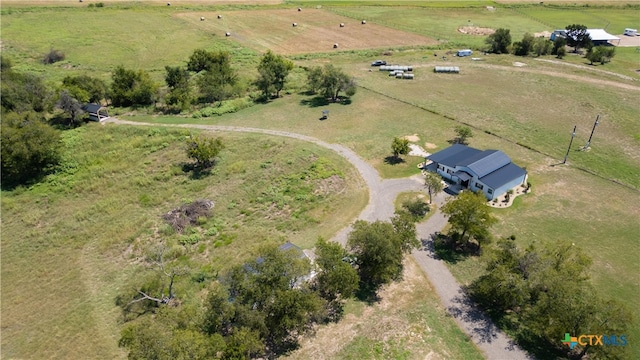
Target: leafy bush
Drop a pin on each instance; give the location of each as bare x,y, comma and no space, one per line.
204,150
417,208
224,107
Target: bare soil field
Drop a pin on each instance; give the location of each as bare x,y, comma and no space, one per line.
315,31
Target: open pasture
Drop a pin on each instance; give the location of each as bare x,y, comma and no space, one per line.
316,31
71,244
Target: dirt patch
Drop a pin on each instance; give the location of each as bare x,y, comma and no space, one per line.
544,34
315,31
519,64
412,138
331,185
628,41
474,30
429,145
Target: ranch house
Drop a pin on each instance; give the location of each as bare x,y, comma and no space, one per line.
489,171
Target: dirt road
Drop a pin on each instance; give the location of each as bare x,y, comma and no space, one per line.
382,193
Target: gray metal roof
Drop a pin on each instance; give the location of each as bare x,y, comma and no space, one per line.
453,155
492,167
91,108
503,175
487,162
462,175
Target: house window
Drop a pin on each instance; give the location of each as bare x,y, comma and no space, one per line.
449,171
440,167
479,186
490,191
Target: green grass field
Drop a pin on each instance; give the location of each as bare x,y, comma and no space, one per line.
73,242
67,243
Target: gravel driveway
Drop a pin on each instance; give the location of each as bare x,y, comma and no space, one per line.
382,193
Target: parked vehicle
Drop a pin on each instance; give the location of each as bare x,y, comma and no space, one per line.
378,63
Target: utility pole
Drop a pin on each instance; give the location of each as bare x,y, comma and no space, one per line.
573,134
592,130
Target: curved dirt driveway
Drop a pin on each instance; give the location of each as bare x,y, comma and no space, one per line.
382,193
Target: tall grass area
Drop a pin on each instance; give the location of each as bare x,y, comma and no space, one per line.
72,243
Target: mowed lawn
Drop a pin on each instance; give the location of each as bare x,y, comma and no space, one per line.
72,243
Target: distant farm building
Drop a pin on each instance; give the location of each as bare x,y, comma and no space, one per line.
598,37
489,171
96,112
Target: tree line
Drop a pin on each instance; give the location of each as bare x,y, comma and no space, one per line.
576,36
263,307
30,148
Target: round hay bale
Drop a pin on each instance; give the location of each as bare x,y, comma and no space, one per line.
168,4
201,18
219,16
295,24
227,34
299,9
364,22
335,46
341,24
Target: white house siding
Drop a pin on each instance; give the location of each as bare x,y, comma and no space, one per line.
506,187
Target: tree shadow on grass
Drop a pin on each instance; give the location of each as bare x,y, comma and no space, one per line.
393,160
446,248
196,172
315,101
368,294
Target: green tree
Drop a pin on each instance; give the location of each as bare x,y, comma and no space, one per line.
524,46
337,279
433,183
577,36
85,88
177,79
29,147
527,289
470,218
559,49
399,146
23,92
272,73
463,134
314,79
131,88
542,46
601,54
335,81
202,60
272,287
378,248
204,150
417,208
71,107
499,41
